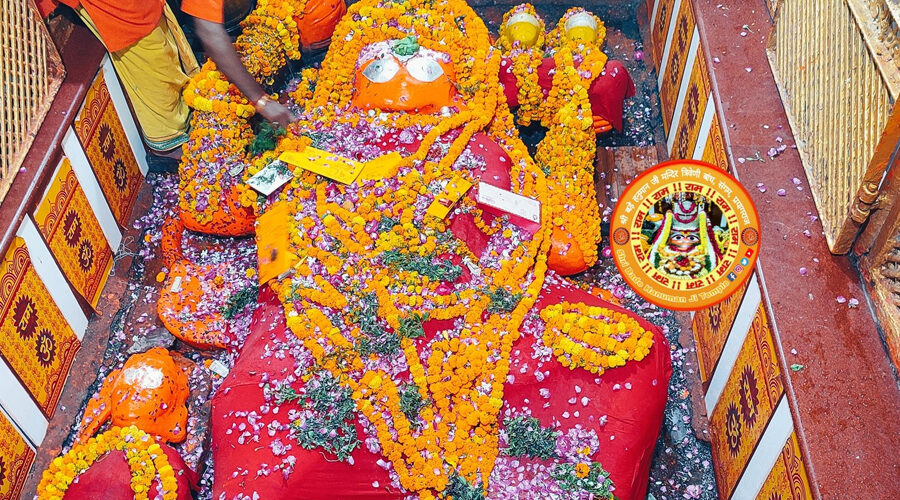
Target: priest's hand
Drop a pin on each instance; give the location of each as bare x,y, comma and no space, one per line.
274,111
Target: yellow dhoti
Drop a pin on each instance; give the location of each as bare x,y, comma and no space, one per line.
153,71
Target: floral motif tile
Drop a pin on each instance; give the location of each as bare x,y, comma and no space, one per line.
35,339
748,400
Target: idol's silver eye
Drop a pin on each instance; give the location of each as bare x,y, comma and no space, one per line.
424,69
381,70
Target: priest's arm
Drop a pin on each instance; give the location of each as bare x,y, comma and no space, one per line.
208,24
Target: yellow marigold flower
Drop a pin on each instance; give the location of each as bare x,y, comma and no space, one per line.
582,470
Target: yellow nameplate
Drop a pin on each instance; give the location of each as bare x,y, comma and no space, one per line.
382,167
446,199
330,165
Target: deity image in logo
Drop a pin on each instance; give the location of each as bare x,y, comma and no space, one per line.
680,238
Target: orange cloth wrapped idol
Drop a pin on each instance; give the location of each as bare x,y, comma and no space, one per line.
402,77
187,299
149,392
210,175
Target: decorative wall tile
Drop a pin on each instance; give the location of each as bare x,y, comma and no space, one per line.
788,479
688,126
35,338
747,402
711,327
16,458
674,67
660,28
65,219
108,151
715,153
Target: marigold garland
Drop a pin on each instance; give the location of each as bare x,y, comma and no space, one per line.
305,86
220,131
270,35
593,338
370,242
220,134
209,91
145,457
567,152
567,155
455,377
588,58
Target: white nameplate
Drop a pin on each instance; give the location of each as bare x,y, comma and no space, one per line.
176,284
509,202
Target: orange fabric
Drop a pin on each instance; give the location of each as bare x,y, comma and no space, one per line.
182,295
232,218
149,392
121,23
45,7
318,21
405,93
208,10
565,255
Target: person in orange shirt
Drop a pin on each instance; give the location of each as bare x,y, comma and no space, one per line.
152,59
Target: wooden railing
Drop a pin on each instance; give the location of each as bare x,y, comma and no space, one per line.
30,74
837,64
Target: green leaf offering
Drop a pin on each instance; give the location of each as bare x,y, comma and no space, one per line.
406,46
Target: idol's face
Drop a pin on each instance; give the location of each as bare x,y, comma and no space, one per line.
683,241
523,28
422,82
581,27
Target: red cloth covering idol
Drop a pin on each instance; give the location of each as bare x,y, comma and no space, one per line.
247,450
607,92
110,478
255,452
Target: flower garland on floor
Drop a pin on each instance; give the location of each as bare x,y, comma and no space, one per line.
593,338
525,62
145,457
